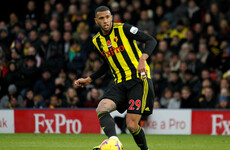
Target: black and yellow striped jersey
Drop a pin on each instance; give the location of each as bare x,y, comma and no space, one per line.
119,49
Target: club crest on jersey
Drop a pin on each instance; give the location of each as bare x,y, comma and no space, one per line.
109,43
115,39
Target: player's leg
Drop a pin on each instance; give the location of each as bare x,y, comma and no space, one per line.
137,132
106,121
140,99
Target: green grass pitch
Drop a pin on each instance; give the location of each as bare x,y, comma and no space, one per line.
87,141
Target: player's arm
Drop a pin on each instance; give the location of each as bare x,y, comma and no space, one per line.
101,71
150,43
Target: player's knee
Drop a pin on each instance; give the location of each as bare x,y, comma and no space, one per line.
131,124
105,105
99,109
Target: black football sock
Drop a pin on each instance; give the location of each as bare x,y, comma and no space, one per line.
107,123
139,137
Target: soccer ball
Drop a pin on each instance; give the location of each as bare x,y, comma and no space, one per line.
111,144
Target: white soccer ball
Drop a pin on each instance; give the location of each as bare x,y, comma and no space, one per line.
111,144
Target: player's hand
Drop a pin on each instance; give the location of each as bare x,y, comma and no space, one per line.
82,82
141,66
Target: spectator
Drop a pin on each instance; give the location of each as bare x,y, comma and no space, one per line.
180,30
5,39
12,76
223,99
175,44
224,83
194,64
159,83
180,12
72,99
18,46
94,97
223,102
68,26
166,70
89,65
205,56
3,71
164,31
39,102
28,27
53,25
12,99
44,46
85,41
29,74
43,28
187,98
127,17
31,13
167,96
72,13
159,14
45,86
54,63
175,102
169,7
175,62
32,53
204,81
13,103
55,45
208,100
34,39
174,81
67,44
183,68
15,56
28,101
13,21
156,104
184,51
194,13
145,23
60,89
157,62
59,9
163,47
72,75
215,14
55,102
77,58
224,34
47,12
114,7
190,79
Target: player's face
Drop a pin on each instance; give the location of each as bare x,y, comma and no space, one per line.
104,21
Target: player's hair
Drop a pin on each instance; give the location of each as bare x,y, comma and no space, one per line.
101,9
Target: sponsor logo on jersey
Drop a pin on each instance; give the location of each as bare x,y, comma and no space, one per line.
112,51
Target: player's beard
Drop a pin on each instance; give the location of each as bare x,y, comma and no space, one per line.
106,31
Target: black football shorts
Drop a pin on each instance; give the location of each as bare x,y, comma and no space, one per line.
135,95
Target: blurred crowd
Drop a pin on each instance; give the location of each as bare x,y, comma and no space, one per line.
42,53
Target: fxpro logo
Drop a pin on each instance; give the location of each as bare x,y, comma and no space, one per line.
219,123
55,125
112,51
